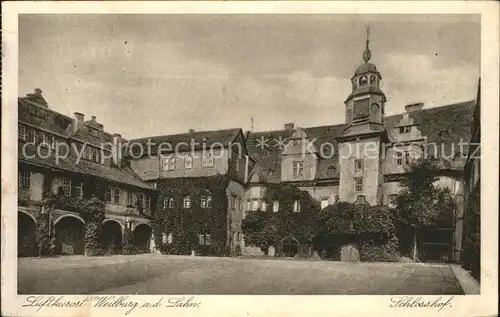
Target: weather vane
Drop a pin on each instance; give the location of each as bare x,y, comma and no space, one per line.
367,54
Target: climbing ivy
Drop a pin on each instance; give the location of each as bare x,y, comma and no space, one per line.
471,255
185,224
93,213
45,231
268,228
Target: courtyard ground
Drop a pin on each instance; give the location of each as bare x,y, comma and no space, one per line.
168,274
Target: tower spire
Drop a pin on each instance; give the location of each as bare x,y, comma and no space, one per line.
367,54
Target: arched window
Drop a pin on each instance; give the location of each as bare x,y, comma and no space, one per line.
373,79
363,81
187,202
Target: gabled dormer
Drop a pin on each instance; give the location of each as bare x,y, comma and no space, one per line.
407,129
299,158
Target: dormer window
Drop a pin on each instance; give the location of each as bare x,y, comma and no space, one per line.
405,129
93,132
188,162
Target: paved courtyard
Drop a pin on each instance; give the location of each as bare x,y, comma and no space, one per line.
161,274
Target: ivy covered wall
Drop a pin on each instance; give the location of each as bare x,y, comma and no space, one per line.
325,231
184,222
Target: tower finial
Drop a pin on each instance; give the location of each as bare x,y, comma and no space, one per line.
367,54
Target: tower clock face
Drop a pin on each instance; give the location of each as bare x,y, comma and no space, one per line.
375,107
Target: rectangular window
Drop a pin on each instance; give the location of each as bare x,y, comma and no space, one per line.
296,206
203,202
96,157
112,195
40,138
188,161
255,204
233,202
276,205
208,159
204,239
171,163
404,130
147,202
168,163
403,158
77,189
407,158
66,186
170,238
399,159
358,184
140,201
324,203
264,206
165,203
116,195
24,180
358,166
298,168
187,202
209,202
53,142
22,132
248,205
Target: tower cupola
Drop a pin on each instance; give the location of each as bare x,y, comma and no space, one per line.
365,104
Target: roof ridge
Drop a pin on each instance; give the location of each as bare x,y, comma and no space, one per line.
181,134
387,117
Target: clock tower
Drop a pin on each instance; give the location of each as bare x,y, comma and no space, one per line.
361,145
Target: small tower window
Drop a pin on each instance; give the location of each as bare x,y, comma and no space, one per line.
358,166
358,184
373,79
363,81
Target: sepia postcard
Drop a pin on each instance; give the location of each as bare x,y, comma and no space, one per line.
229,158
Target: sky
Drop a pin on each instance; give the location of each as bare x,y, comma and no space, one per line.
147,75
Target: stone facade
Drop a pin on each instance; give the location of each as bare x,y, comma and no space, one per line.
364,156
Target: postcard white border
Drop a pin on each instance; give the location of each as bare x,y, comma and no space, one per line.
469,305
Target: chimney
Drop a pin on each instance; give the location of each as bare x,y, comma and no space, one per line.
78,121
289,126
191,131
117,150
414,107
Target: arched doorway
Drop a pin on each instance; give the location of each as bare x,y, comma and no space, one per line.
142,237
70,232
112,237
26,233
290,247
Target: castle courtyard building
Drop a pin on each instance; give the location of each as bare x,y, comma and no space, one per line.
363,158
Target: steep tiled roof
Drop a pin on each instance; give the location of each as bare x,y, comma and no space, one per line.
42,117
209,138
123,175
447,124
